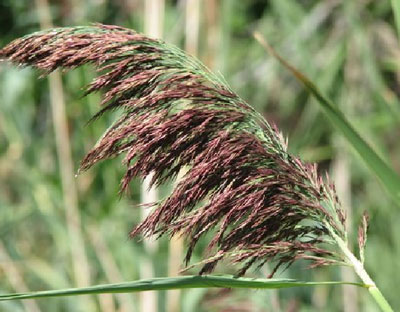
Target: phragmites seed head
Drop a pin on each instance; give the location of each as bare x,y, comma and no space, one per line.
241,184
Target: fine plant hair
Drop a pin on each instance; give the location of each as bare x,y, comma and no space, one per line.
260,202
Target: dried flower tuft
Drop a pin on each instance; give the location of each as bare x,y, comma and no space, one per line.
263,203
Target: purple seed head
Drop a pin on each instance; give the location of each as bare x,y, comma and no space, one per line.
261,203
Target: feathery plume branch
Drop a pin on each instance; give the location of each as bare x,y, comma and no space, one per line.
262,203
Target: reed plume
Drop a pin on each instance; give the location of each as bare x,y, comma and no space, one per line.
261,203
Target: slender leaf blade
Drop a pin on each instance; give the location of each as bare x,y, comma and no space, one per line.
396,13
169,283
389,178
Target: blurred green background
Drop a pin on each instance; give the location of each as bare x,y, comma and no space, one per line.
58,231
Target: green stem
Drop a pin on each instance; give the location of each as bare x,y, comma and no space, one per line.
360,270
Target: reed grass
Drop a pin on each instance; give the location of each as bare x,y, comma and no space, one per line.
30,189
256,185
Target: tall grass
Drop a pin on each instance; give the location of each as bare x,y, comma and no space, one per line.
30,190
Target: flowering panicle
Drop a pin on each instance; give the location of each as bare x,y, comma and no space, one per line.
262,203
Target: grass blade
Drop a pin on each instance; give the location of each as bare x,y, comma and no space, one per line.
389,178
396,13
168,283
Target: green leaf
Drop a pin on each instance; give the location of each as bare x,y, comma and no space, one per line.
396,13
181,282
389,178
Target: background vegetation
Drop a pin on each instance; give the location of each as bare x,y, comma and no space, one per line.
55,233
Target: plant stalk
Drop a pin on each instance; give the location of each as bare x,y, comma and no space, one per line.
154,27
362,273
80,262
